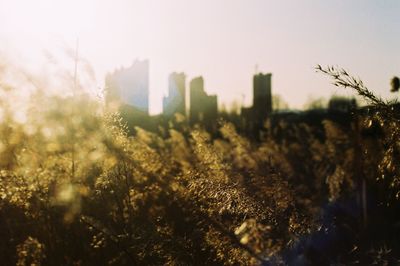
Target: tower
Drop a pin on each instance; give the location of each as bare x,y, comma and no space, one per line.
203,107
196,95
175,102
262,96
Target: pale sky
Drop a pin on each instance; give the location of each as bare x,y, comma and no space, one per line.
222,40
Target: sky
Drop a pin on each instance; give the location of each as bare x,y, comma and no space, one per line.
225,41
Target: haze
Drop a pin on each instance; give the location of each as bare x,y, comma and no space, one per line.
225,41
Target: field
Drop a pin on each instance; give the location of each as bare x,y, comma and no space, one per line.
77,189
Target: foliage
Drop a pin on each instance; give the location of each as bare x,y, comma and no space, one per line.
77,189
80,186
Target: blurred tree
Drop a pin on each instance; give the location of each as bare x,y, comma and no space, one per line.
395,84
315,103
278,103
234,108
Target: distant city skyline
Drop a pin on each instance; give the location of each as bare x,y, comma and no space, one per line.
223,41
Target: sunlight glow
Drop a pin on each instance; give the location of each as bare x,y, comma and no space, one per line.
68,18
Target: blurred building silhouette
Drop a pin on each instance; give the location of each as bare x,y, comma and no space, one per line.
254,117
342,104
127,91
130,86
175,101
203,108
262,97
